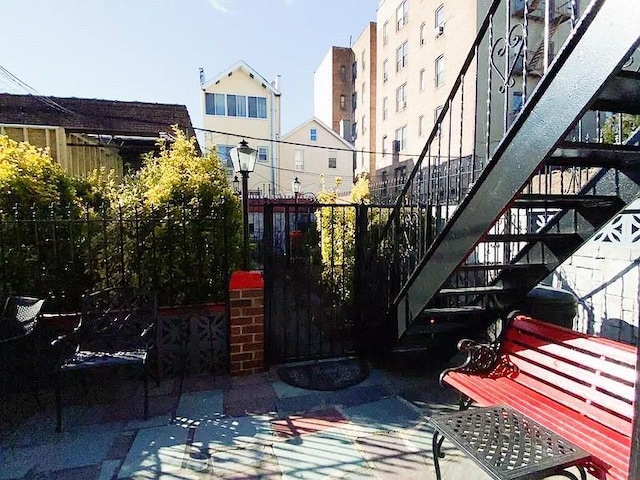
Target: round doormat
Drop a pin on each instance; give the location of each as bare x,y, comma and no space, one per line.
325,375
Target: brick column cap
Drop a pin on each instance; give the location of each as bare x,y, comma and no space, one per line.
243,280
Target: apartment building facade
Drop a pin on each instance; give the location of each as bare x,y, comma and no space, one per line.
240,103
365,71
334,98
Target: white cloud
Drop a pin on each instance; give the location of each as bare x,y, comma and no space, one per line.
288,3
224,6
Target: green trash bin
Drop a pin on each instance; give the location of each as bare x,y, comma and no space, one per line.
552,305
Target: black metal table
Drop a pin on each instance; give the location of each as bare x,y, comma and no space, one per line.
506,444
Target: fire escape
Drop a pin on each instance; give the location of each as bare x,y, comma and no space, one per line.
493,206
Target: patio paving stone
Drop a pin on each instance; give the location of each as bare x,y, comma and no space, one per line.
386,414
255,398
225,431
200,406
255,461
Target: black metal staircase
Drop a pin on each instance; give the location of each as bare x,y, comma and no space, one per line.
536,193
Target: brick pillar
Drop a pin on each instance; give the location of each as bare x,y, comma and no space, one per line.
246,291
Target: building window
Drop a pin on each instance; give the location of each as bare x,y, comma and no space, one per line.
343,73
401,137
257,107
298,156
401,56
363,123
333,160
437,114
214,104
354,100
364,64
401,98
343,102
421,125
439,18
364,89
354,71
236,106
354,130
384,108
423,33
440,71
385,147
385,33
263,154
402,14
313,134
385,70
422,79
223,155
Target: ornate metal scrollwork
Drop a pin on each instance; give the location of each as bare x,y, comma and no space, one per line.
502,47
481,357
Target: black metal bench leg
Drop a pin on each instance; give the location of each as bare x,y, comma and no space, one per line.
437,452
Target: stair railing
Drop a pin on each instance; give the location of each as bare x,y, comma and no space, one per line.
486,96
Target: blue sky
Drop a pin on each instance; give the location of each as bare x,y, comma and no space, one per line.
151,50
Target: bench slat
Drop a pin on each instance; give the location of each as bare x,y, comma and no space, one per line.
595,438
617,351
519,340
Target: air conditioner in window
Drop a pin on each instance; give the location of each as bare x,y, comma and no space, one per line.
439,30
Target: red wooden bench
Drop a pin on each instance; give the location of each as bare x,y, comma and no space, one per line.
578,386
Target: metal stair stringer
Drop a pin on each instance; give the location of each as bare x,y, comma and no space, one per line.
597,48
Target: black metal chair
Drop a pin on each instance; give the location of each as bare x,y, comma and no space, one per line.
116,328
22,342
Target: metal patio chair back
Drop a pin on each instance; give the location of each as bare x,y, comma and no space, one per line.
116,328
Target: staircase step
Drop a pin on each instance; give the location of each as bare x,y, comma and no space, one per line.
499,266
621,94
566,201
466,310
435,329
582,154
472,290
528,237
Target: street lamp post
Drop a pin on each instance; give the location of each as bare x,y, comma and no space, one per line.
295,187
243,158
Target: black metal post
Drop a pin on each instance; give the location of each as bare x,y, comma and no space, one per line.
245,218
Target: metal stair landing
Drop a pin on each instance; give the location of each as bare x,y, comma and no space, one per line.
588,67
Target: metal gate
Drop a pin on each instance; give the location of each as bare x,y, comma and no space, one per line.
309,280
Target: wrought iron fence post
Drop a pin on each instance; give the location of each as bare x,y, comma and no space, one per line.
359,277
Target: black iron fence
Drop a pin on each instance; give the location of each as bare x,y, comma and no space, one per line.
183,253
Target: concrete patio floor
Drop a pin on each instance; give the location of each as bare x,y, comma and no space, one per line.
234,428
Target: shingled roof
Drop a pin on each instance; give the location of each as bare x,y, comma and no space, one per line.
86,115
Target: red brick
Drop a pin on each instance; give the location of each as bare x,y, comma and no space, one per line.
244,302
253,311
233,294
252,329
242,321
236,347
253,364
252,347
258,337
236,330
258,302
252,293
241,357
242,339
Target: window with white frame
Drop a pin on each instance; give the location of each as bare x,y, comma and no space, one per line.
364,53
423,34
401,56
401,97
313,134
385,147
364,125
385,107
343,73
257,107
385,70
343,102
401,137
263,154
439,79
298,159
402,12
436,115
439,17
364,89
421,125
385,33
215,104
333,160
236,106
423,76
